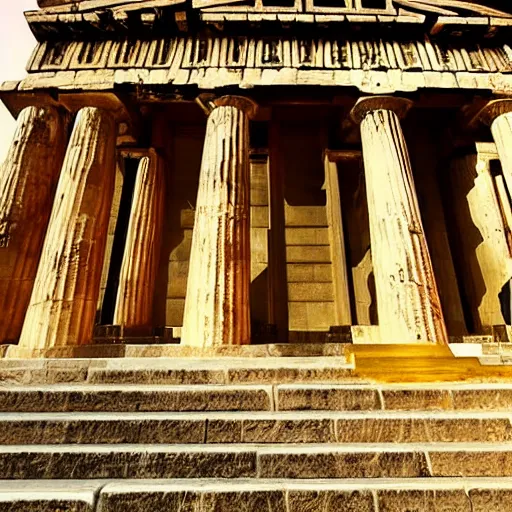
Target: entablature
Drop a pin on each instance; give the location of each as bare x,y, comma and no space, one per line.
98,18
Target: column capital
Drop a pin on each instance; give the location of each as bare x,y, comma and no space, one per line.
400,106
208,102
492,110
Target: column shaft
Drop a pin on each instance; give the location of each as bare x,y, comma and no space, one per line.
27,185
408,302
217,302
134,305
501,129
63,304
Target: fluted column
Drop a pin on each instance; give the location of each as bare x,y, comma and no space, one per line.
134,305
28,178
217,302
408,302
498,115
63,304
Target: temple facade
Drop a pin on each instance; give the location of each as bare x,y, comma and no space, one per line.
256,256
226,173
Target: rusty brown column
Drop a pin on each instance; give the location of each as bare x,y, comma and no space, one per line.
63,303
217,302
28,178
408,302
134,305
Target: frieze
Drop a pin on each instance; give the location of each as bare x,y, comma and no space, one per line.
274,53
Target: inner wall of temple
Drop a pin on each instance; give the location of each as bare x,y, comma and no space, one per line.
461,195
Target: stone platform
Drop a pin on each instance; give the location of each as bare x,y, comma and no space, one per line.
290,434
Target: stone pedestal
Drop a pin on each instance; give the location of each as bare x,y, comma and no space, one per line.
408,303
63,304
217,303
134,305
28,178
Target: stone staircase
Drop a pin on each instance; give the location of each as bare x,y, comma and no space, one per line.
252,434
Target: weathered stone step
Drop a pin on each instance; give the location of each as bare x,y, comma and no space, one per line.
203,495
250,397
224,370
119,398
54,496
254,427
257,461
419,495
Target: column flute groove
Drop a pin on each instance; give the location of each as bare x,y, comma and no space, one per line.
217,302
28,178
63,304
408,303
134,305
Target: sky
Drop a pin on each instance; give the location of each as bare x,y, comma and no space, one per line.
16,45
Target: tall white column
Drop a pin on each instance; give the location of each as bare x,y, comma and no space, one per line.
408,302
217,302
134,304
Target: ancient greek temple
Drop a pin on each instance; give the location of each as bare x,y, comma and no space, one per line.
256,255
222,173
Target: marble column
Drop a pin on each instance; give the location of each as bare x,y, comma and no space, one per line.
498,115
63,303
28,178
217,303
408,303
134,304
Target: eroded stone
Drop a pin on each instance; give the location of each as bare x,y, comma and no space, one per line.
423,500
330,501
491,500
289,431
418,430
261,501
471,463
483,399
370,464
416,399
126,400
108,463
294,398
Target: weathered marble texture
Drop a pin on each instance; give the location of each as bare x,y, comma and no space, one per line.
109,462
217,302
341,464
134,305
405,500
299,397
133,400
28,178
408,303
64,298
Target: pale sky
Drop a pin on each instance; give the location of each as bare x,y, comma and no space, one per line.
16,45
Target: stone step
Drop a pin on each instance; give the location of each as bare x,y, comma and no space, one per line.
399,495
214,370
54,496
250,397
148,461
254,427
205,495
132,398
